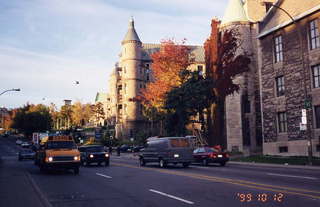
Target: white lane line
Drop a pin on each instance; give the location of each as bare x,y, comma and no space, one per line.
292,176
171,196
106,176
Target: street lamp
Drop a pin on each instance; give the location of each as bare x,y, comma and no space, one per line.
14,89
306,100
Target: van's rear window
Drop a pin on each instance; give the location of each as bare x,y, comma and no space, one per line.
179,143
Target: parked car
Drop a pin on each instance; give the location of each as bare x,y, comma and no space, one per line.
167,150
26,144
19,142
206,155
137,148
125,148
94,154
26,154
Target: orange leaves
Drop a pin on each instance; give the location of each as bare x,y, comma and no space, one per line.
167,65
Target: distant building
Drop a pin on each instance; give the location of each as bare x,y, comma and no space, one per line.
4,116
129,77
290,77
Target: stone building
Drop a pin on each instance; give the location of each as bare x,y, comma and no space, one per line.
289,59
243,112
129,77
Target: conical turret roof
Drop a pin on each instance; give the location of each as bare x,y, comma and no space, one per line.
235,12
131,33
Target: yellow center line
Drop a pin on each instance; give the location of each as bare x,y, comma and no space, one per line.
260,186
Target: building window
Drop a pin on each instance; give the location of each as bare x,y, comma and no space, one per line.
317,116
283,149
278,52
314,34
280,85
282,122
316,76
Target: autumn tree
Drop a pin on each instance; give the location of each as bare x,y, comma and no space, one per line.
224,61
168,63
81,114
98,112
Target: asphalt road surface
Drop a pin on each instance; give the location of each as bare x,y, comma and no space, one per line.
124,183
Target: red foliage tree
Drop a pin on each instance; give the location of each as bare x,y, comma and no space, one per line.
224,61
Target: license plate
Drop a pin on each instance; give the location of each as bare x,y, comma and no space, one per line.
220,156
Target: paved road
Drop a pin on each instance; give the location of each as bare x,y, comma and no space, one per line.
124,183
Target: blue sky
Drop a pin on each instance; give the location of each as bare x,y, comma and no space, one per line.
47,45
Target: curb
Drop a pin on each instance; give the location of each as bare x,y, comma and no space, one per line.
276,165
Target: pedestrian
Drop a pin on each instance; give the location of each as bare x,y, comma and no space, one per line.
118,150
110,149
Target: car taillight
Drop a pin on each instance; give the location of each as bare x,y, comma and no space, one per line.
226,155
212,155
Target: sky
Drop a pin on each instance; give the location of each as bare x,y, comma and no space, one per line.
48,45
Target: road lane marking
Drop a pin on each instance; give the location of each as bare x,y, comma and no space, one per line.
171,196
106,176
260,186
292,176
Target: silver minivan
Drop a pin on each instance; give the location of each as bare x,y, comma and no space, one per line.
167,150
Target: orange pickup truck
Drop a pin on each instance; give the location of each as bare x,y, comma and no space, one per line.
58,152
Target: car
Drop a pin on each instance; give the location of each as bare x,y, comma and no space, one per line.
26,154
19,142
125,148
167,150
137,148
26,145
94,154
206,155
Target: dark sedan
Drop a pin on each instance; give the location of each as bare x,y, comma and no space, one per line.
26,154
206,155
94,154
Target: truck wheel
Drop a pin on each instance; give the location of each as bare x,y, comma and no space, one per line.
76,170
162,163
205,162
185,164
142,162
222,163
42,169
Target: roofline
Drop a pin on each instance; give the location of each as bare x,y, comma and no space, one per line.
296,18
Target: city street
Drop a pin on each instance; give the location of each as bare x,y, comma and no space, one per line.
125,183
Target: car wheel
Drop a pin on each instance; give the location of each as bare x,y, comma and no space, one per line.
222,163
42,169
142,162
85,163
185,164
205,162
99,163
107,163
20,158
76,170
162,163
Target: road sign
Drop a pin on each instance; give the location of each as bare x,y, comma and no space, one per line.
307,103
304,120
303,127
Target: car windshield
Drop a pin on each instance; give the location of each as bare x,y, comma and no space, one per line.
60,144
27,151
211,150
179,143
95,149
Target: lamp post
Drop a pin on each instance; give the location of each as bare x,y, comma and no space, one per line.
306,100
14,89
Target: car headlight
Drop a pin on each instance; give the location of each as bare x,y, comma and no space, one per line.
107,155
76,158
176,155
91,156
50,159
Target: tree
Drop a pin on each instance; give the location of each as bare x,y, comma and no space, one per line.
81,114
98,112
32,118
224,62
168,63
188,100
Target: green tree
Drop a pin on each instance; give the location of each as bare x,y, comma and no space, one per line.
32,118
186,101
